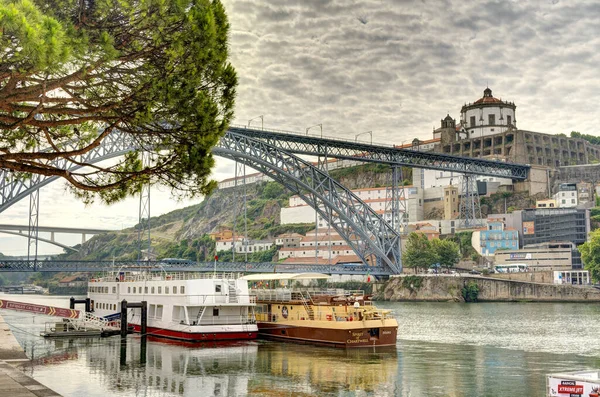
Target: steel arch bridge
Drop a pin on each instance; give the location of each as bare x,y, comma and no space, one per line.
272,152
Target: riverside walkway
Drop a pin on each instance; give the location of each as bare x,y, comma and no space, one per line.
14,383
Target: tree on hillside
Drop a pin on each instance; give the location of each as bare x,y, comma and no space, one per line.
447,252
590,255
419,252
72,72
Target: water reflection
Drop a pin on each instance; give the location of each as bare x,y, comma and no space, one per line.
258,368
321,371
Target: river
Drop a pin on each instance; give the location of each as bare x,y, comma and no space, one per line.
443,349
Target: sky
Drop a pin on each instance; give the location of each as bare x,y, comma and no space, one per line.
395,68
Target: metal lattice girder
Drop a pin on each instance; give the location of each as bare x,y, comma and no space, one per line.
343,149
355,221
470,209
185,266
14,188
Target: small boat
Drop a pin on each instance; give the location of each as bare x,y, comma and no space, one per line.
185,306
331,317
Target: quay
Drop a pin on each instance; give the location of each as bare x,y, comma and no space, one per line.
13,382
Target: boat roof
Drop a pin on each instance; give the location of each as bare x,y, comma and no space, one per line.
285,276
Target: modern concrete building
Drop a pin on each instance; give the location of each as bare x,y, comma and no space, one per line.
547,225
538,257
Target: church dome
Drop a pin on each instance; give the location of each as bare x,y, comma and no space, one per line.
487,97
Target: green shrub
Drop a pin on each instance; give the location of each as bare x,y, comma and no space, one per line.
470,292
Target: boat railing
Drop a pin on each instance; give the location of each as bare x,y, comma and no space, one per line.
209,300
287,295
156,276
223,320
319,315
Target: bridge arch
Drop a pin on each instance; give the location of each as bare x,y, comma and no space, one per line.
45,240
360,226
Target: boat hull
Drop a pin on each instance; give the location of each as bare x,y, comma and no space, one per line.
322,333
197,336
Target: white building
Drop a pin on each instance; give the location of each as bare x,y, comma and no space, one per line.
487,116
566,197
300,212
243,247
426,178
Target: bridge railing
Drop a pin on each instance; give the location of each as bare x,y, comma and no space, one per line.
240,267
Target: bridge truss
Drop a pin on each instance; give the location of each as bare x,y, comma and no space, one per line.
364,230
184,266
273,153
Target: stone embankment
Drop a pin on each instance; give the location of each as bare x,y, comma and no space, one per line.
13,382
443,288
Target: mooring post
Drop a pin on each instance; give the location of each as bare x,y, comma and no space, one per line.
124,319
143,350
72,303
144,318
123,355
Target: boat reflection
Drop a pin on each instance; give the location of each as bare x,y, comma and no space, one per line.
245,368
201,369
323,371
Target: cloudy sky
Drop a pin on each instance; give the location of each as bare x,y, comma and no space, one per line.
391,67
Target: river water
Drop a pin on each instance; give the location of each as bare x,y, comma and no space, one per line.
443,349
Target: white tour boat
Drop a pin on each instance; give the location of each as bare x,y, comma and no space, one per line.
186,306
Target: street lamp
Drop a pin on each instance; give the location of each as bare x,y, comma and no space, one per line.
366,132
261,121
316,125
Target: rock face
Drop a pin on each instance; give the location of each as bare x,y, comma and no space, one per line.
441,288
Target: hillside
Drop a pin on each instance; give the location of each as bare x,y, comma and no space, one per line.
182,233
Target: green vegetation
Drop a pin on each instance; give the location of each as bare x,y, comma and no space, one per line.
155,70
470,292
447,252
420,253
590,255
463,240
590,138
413,283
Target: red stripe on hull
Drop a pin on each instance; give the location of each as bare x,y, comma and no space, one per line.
328,337
196,336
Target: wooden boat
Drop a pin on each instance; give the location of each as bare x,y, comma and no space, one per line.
332,317
193,307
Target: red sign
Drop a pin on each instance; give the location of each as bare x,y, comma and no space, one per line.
216,257
46,310
573,389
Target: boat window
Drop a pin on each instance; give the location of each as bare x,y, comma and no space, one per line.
166,290
159,311
160,290
140,290
218,288
182,289
114,289
128,290
174,290
134,291
215,312
145,290
152,290
106,290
